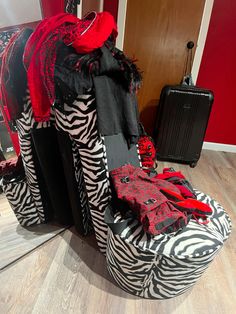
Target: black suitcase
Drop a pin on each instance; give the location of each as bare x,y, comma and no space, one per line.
182,118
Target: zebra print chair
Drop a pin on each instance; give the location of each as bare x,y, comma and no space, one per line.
95,158
24,194
30,197
163,266
24,126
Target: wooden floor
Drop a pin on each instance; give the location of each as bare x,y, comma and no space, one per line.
68,275
16,241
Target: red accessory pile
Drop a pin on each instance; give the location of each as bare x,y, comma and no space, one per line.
157,203
179,180
84,35
147,152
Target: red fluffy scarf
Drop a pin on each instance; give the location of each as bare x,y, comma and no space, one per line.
84,35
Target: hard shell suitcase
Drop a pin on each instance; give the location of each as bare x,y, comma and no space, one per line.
182,118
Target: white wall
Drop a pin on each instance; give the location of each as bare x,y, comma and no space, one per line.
15,12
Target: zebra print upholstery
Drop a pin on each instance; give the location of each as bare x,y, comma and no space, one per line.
165,266
80,121
24,126
22,203
87,219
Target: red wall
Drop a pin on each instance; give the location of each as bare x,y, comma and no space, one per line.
218,72
52,7
112,7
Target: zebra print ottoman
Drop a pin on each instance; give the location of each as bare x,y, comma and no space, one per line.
164,266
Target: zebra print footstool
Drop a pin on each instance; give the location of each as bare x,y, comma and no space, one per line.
164,266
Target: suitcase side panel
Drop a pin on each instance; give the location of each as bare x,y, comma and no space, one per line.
182,122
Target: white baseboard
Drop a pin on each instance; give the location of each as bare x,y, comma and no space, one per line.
219,147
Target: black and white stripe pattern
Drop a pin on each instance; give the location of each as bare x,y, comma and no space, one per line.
165,266
87,219
105,161
22,202
80,121
24,126
139,157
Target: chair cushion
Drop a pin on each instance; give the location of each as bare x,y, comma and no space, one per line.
166,265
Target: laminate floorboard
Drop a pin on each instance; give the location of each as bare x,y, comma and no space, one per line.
16,241
67,274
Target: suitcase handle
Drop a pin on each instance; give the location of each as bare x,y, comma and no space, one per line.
187,79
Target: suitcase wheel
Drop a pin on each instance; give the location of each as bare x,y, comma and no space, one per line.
193,164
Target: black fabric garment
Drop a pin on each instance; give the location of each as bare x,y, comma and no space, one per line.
117,109
46,202
116,106
69,82
47,150
69,171
17,80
